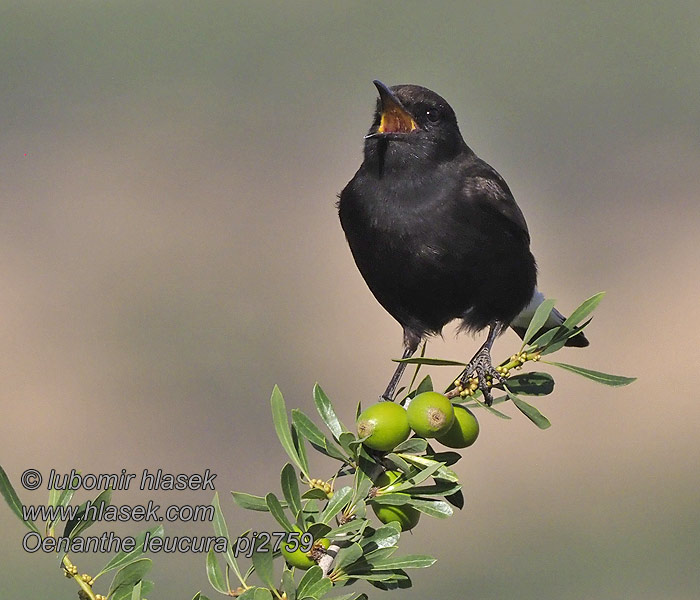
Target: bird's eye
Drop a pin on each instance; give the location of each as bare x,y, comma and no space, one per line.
433,115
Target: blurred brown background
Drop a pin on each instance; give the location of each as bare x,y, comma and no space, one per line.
169,250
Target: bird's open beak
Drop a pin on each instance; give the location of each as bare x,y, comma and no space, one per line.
395,118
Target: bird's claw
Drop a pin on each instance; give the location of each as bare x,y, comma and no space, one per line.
481,371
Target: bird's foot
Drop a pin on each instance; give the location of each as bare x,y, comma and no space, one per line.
480,374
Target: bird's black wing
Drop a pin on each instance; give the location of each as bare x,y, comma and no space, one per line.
486,190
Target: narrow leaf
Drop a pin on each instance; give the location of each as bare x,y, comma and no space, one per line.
410,561
80,523
348,555
433,362
325,410
215,574
262,561
414,445
136,592
533,383
538,319
530,411
250,502
319,589
275,507
13,501
604,378
434,508
221,530
127,577
311,432
289,588
262,593
391,498
300,447
586,308
290,489
279,418
425,386
339,500
310,578
123,558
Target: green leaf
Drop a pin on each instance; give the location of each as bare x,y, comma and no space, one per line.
325,410
215,574
348,555
383,537
300,447
140,590
398,462
262,594
250,502
391,498
279,418
448,457
311,432
262,561
586,308
425,386
410,561
319,589
379,554
414,445
456,499
124,558
346,441
80,523
249,594
434,508
275,507
377,576
13,501
310,578
433,362
127,577
350,526
530,411
479,404
562,334
424,462
314,494
533,383
439,488
538,319
290,489
63,500
136,592
337,502
221,530
199,596
604,378
288,586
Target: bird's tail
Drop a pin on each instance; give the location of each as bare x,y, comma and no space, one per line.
520,323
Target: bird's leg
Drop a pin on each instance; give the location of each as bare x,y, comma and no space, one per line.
480,366
410,346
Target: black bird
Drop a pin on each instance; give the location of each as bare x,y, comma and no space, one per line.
436,232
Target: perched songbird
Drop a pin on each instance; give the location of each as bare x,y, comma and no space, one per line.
435,231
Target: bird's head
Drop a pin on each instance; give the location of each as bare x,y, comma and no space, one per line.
412,122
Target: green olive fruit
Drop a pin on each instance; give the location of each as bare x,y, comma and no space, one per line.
405,515
464,430
298,558
430,414
386,424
